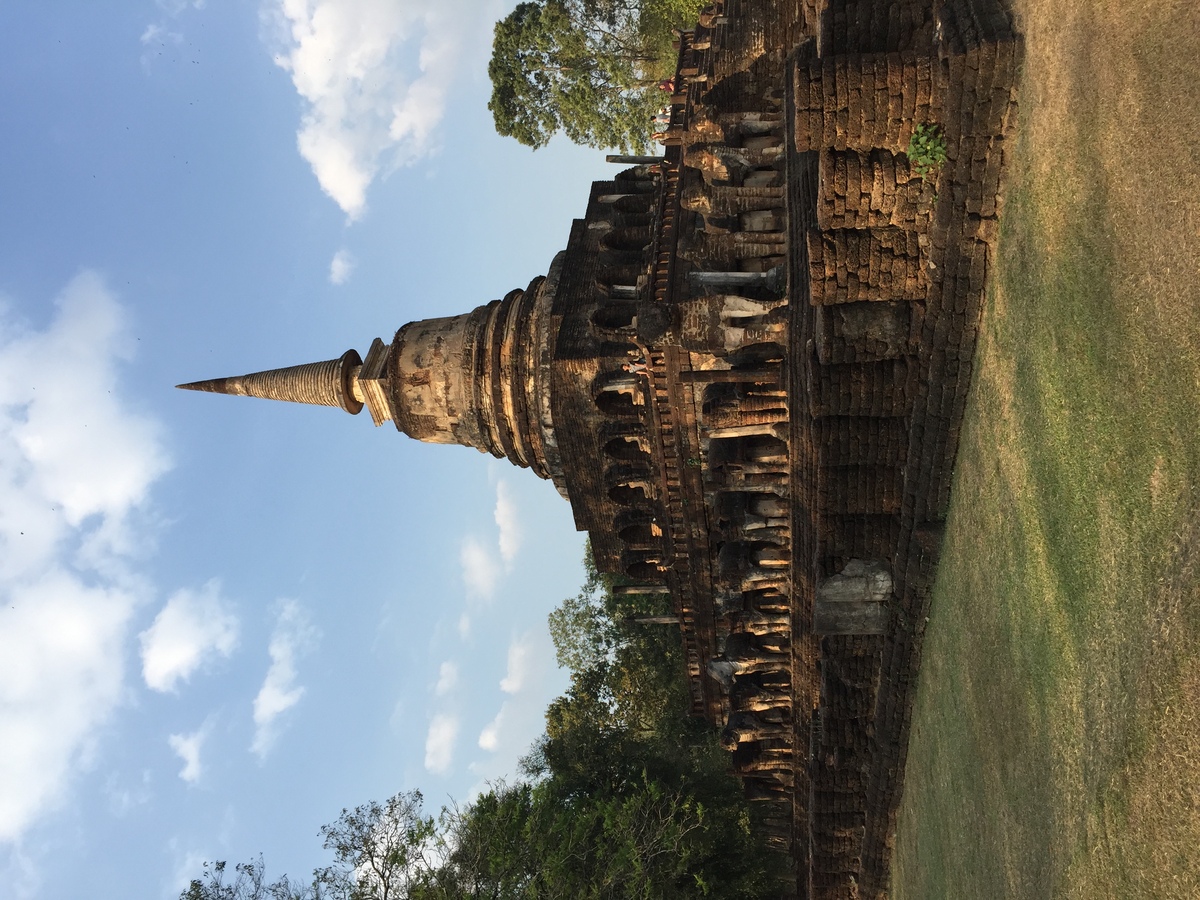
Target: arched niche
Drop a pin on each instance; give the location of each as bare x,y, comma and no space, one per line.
615,381
627,517
644,565
755,356
636,220
626,448
639,179
641,534
633,204
618,405
646,572
615,315
620,266
629,239
763,448
733,558
767,505
628,472
622,429
765,599
763,176
770,555
732,505
722,395
748,448
628,495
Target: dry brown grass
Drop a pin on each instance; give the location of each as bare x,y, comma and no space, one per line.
1056,744
1111,104
1161,841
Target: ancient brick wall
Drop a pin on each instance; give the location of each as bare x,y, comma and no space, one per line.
759,379
979,56
886,361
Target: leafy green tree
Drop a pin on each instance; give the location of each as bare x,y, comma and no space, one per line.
490,846
581,628
526,843
247,881
586,67
382,851
622,759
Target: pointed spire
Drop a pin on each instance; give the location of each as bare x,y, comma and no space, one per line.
328,383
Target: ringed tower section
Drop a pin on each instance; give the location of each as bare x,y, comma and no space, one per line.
480,379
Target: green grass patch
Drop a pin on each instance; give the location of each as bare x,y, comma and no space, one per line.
1054,751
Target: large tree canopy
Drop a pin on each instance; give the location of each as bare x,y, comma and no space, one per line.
586,67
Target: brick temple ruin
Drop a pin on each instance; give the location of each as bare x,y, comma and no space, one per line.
746,372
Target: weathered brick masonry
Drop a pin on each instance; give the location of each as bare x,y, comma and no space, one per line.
746,372
899,355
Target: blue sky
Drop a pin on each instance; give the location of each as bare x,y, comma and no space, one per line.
223,620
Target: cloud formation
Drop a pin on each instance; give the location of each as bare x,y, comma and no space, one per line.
341,267
485,564
508,523
187,748
480,568
447,679
76,467
489,738
191,629
518,716
374,76
439,743
157,33
293,636
521,660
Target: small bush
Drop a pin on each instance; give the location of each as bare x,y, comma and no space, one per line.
926,151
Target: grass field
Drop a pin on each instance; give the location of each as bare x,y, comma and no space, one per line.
1056,739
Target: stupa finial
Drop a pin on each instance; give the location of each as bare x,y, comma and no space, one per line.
329,383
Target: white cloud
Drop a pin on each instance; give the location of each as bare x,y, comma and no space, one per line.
187,748
158,34
480,569
191,629
447,679
489,738
76,466
506,736
521,659
508,524
292,637
60,667
439,743
69,448
374,76
341,267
